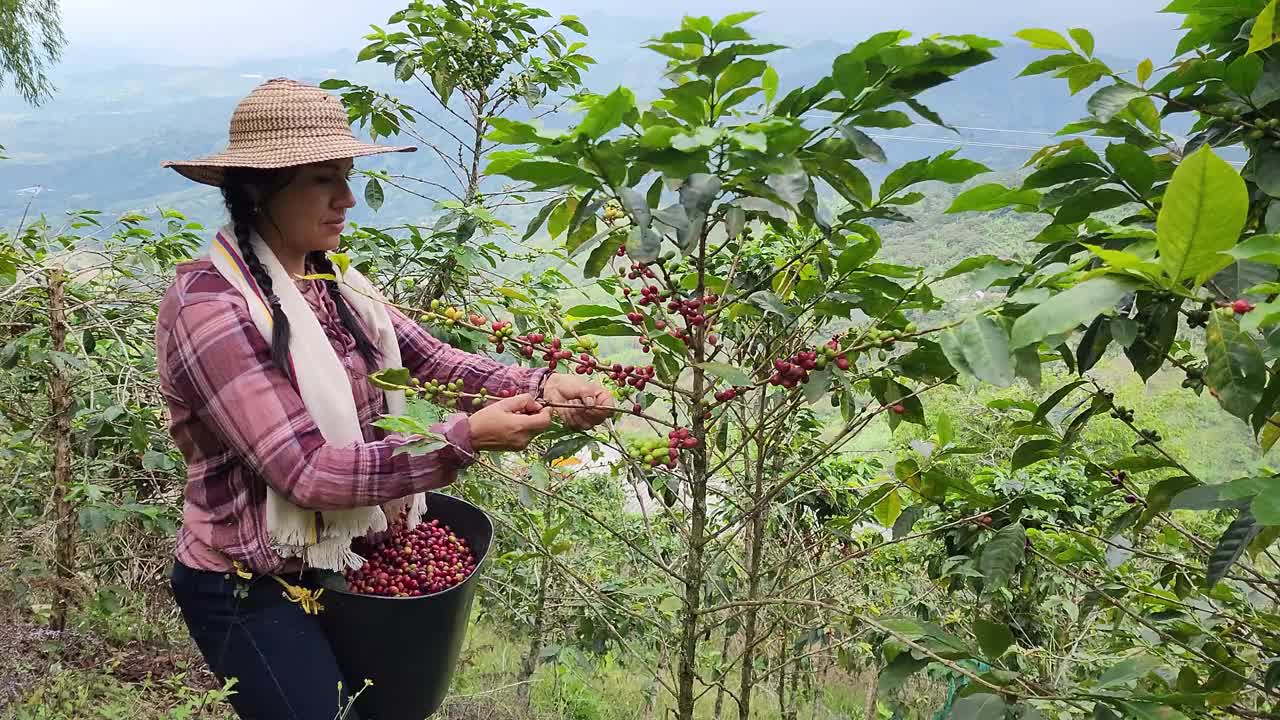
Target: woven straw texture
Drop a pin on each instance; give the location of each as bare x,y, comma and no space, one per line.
283,123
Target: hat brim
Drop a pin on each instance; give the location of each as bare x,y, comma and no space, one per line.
211,170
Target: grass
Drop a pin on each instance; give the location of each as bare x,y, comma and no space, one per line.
85,676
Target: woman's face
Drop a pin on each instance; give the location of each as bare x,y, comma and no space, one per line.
310,212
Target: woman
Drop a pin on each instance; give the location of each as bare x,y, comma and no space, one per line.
266,379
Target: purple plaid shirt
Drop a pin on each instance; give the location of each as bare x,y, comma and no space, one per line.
241,424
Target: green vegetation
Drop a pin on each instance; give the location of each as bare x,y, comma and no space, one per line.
943,438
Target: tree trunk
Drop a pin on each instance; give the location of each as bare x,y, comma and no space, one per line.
755,550
870,712
783,707
60,400
651,695
796,674
693,570
530,662
724,673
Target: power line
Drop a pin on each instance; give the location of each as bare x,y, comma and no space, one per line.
962,142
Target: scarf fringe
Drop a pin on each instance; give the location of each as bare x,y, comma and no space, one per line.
293,530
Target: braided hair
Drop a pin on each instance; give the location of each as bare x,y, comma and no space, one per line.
244,212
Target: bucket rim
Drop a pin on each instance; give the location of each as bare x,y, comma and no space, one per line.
480,565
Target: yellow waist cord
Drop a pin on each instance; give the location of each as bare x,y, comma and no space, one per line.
307,598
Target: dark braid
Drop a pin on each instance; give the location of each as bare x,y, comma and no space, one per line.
320,261
235,191
243,211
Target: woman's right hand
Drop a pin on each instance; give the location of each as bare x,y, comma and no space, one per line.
509,424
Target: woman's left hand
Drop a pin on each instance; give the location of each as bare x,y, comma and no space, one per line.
596,402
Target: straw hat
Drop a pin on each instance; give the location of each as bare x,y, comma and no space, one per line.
283,123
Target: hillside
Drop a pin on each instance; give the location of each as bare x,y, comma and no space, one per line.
99,143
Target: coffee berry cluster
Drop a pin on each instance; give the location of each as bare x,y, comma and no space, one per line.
794,370
657,451
428,559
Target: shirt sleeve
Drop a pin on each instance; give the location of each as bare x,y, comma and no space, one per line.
427,358
223,367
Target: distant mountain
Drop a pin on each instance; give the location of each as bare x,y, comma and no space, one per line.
99,143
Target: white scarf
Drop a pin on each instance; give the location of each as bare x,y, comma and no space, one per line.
326,392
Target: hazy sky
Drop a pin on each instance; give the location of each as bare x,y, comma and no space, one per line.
201,32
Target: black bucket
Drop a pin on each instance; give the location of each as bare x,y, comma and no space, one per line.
407,646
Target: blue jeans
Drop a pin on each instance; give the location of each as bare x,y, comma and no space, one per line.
281,659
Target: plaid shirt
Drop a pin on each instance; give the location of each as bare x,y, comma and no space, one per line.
240,423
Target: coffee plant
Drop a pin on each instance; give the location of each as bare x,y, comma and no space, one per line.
1028,544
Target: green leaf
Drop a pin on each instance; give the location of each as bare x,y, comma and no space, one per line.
1204,210
1082,205
373,195
1082,76
1233,542
643,245
606,114
573,23
1051,402
766,300
602,254
739,74
1235,373
888,509
1051,63
1001,555
1264,33
636,206
1133,165
1259,248
1145,68
1243,74
1067,310
1044,39
605,327
979,706
790,187
729,373
590,311
539,219
867,147
1110,101
925,112
567,447
735,19
1125,671
584,209
980,348
994,196
897,671
1157,329
1093,344
1083,38
548,174
1266,504
1033,451
769,81
849,72
883,119
391,378
1160,496
514,294
1202,497
994,638
907,520
969,265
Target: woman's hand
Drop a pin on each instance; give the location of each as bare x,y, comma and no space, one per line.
508,424
596,402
